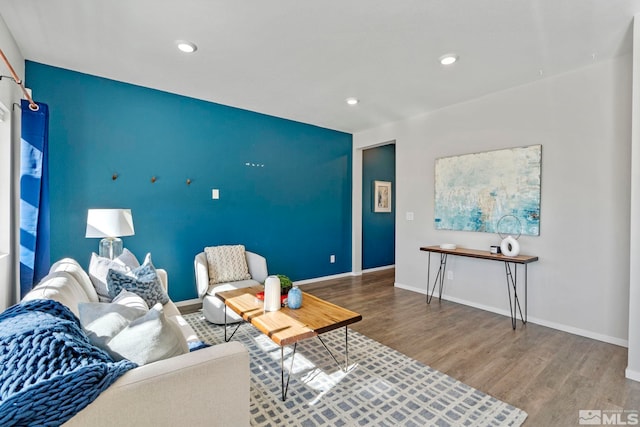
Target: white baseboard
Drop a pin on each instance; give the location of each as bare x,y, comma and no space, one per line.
409,288
549,324
297,283
632,375
338,276
320,279
188,302
582,332
384,267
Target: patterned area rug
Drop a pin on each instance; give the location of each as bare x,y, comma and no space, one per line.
381,387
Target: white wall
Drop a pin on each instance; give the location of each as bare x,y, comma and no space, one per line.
583,121
633,366
9,137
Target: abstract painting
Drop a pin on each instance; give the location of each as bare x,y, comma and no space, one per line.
473,191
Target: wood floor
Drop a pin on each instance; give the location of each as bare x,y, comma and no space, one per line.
549,374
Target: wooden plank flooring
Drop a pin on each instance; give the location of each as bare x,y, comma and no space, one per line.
548,373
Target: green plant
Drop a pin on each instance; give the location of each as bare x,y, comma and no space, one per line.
285,282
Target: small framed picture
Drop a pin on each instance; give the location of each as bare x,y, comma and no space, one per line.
381,196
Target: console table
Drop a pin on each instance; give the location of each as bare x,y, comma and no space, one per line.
509,262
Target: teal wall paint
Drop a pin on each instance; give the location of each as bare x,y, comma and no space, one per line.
295,210
378,229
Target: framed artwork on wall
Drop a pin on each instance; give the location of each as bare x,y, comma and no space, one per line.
381,196
474,191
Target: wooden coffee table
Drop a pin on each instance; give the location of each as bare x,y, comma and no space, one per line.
287,326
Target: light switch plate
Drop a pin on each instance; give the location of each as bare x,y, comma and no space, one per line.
215,194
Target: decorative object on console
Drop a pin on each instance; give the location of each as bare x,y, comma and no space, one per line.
272,294
294,298
110,224
509,246
448,246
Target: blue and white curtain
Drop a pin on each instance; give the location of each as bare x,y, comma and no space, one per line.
34,196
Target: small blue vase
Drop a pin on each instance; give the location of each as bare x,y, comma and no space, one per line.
294,298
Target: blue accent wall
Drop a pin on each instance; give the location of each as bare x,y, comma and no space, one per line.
378,229
285,186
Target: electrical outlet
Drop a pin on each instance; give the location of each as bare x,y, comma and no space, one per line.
450,275
332,259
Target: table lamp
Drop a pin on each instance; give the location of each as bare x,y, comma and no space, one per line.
111,224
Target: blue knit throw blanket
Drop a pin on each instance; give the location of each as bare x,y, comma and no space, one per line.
50,370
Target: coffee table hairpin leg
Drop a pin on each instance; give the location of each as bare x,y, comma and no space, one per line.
285,385
346,351
225,326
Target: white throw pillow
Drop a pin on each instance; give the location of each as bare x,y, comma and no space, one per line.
130,333
149,338
100,266
103,321
226,264
130,299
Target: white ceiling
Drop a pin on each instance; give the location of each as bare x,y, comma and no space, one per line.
301,59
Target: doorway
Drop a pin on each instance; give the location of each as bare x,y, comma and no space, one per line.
378,227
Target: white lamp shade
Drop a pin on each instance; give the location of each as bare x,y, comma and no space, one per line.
109,223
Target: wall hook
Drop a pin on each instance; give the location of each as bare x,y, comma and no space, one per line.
114,176
188,181
153,179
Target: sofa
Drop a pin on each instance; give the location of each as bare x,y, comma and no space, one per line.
212,306
209,386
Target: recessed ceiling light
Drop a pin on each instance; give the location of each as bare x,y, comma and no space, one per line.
448,59
352,101
186,46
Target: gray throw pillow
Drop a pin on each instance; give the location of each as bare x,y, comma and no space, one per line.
143,281
99,267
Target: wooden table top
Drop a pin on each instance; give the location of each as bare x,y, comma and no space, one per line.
475,253
287,326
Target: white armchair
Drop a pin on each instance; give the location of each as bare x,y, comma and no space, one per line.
212,306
